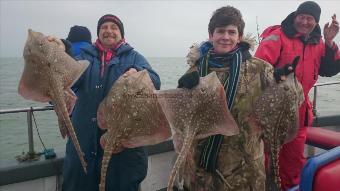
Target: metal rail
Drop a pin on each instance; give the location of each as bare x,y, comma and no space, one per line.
30,111
20,110
311,149
316,93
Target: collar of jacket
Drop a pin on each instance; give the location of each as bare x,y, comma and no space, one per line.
244,47
198,51
92,50
287,26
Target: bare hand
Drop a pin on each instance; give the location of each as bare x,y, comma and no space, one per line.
129,72
100,119
58,41
103,140
117,147
330,31
70,100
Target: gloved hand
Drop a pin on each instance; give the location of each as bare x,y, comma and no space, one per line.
281,73
68,47
189,80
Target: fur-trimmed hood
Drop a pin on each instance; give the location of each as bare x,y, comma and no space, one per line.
198,50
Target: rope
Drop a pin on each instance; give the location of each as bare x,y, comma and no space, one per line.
36,127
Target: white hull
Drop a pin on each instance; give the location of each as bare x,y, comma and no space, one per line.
158,172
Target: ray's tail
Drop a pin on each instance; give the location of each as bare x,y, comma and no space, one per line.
188,140
105,161
62,114
275,166
275,142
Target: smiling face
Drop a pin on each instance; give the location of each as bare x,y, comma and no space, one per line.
109,34
225,39
304,24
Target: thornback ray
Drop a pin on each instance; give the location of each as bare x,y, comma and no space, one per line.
132,116
276,112
196,114
48,75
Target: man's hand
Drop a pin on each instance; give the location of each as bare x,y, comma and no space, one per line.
189,80
330,31
118,147
70,100
100,119
281,73
129,72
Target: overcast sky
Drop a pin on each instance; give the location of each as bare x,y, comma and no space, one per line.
154,28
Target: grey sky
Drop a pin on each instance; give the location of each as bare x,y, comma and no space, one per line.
154,28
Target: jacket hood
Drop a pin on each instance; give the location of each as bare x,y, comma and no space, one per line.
288,28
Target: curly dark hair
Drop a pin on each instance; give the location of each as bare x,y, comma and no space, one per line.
225,16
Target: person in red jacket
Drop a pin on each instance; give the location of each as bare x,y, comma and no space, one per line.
299,36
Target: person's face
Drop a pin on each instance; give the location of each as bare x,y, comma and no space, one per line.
224,39
304,24
109,34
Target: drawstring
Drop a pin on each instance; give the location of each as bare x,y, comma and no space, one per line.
102,66
105,59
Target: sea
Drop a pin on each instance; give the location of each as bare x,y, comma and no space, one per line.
13,126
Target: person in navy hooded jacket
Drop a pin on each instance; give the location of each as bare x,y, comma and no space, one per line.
110,57
79,37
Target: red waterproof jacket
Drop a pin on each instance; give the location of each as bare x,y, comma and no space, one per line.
281,44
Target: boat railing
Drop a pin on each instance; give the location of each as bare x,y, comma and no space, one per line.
30,111
31,154
315,93
310,149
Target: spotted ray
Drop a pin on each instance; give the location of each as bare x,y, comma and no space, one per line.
48,75
276,111
132,116
195,114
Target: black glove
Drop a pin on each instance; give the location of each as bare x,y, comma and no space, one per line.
68,47
189,80
284,71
